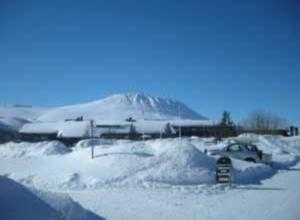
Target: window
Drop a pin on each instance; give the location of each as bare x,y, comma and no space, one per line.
234,148
252,148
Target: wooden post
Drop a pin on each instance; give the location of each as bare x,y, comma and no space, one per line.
143,131
179,117
160,132
296,131
292,131
92,137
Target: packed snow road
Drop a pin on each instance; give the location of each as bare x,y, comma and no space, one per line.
276,198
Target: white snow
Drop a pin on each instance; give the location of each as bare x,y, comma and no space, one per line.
276,198
62,128
119,163
20,203
116,107
133,163
160,179
24,149
122,106
27,113
151,115
82,128
15,117
12,123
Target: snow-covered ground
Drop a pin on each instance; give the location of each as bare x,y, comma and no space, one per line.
160,179
20,203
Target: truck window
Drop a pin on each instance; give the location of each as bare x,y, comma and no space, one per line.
234,148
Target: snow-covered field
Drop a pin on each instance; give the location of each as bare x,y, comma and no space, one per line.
157,179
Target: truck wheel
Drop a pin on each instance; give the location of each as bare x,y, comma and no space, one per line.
250,160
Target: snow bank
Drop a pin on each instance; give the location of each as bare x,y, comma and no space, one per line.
250,173
69,209
271,143
284,161
285,150
24,149
19,203
92,142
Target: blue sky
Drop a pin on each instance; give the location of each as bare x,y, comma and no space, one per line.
212,55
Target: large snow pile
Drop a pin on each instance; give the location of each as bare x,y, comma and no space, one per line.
122,106
19,203
171,162
24,149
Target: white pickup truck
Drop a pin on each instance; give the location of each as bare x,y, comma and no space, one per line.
242,151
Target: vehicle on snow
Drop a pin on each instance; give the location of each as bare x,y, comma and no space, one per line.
243,151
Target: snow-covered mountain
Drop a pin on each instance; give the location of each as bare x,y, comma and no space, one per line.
122,106
115,107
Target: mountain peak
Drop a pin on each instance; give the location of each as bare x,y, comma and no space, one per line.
124,105
139,98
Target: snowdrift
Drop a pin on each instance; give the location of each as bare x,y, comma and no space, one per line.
119,163
24,149
19,203
250,173
127,163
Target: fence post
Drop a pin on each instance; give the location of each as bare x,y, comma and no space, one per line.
92,137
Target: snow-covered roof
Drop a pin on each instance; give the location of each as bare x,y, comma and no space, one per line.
40,128
146,126
187,122
140,125
75,129
82,128
62,128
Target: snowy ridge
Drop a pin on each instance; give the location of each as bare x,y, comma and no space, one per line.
14,117
26,113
